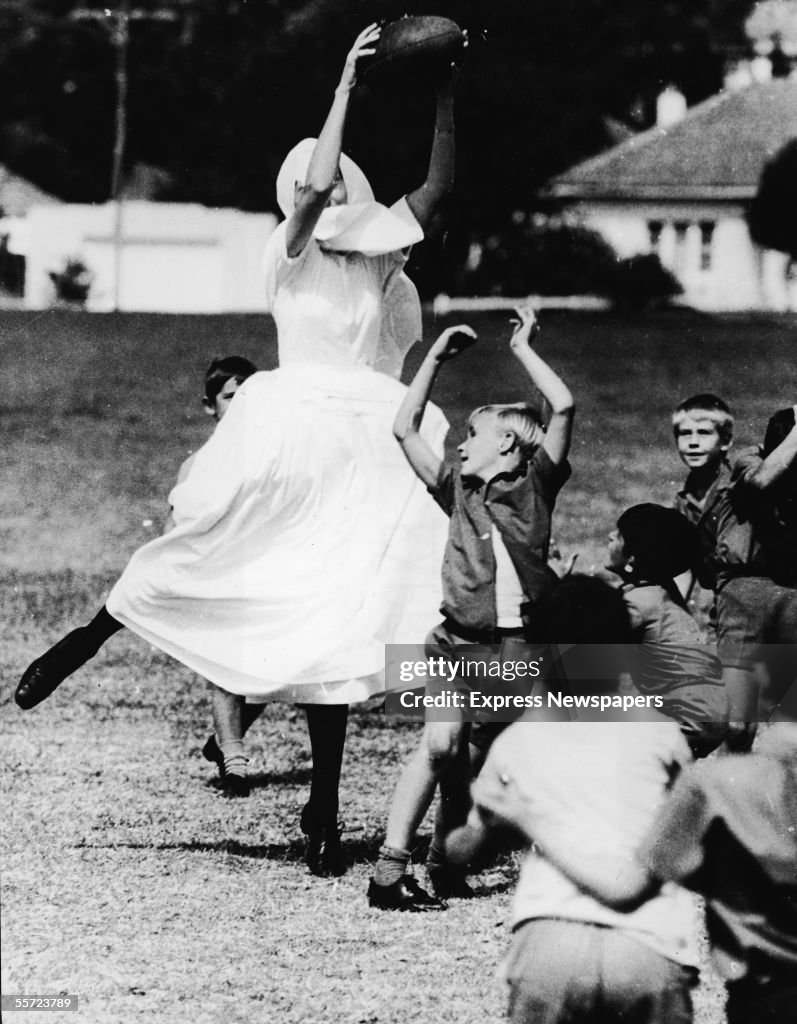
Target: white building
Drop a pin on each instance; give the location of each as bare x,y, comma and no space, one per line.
681,190
161,257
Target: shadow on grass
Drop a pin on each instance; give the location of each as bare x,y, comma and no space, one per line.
279,777
291,851
361,851
358,851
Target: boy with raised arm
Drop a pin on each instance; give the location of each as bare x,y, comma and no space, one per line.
757,575
500,501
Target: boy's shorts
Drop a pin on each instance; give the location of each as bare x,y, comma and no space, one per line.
752,611
504,651
563,971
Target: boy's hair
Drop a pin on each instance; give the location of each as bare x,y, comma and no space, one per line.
585,610
222,369
521,419
592,616
706,407
661,540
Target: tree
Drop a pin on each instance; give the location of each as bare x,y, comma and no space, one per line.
772,217
216,100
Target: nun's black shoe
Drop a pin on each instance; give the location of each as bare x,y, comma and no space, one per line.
45,674
323,853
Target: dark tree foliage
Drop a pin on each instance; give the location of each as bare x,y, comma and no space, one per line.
773,213
217,97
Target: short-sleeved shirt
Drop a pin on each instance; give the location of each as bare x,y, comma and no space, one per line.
729,831
753,538
704,515
590,786
520,506
671,650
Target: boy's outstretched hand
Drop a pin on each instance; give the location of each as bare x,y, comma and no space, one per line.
452,341
526,327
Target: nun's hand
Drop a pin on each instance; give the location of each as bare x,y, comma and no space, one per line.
364,46
446,79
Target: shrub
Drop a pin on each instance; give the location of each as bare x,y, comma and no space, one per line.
772,216
73,282
541,257
641,281
550,256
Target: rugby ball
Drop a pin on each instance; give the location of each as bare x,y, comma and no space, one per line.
418,44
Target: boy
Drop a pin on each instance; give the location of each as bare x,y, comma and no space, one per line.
500,502
650,548
728,832
223,377
583,794
757,574
703,429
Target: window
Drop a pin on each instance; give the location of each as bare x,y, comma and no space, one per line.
654,234
706,244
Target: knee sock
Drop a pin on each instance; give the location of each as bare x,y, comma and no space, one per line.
235,761
391,866
326,724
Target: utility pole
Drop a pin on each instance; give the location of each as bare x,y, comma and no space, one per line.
117,20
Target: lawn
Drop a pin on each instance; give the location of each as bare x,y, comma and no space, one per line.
127,879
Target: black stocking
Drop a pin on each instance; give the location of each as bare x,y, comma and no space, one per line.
101,628
326,724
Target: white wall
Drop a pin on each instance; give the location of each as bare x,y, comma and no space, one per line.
176,258
719,271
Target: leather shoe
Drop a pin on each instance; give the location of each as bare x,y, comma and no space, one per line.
46,673
404,894
449,883
232,785
212,752
323,853
235,786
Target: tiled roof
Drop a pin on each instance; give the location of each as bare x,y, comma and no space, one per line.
716,152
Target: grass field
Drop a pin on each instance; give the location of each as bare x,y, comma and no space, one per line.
127,879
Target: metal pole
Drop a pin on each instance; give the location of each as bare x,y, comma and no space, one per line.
119,19
121,39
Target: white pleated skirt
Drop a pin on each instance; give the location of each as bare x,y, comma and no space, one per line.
304,543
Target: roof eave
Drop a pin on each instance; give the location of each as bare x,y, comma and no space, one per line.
649,193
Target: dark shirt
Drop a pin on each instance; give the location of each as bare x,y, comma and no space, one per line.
754,536
728,832
520,505
670,649
704,515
